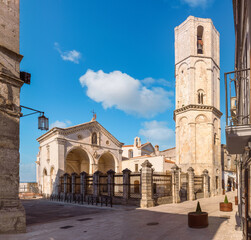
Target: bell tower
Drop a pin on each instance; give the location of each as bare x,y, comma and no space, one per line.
197,114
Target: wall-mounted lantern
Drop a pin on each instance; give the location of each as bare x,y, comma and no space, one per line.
43,122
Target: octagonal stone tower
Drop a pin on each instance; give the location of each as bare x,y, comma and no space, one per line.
12,214
197,114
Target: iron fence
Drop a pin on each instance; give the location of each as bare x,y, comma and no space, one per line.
118,185
103,185
198,187
135,185
162,185
89,184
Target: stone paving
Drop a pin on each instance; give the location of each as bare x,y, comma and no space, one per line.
162,222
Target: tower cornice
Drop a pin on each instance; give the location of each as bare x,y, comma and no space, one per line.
196,56
197,107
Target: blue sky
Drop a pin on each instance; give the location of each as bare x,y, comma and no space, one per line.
113,56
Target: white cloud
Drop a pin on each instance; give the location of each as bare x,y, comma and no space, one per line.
60,124
197,3
150,81
158,132
27,172
119,90
72,56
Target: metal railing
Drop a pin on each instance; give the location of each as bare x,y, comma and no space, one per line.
237,96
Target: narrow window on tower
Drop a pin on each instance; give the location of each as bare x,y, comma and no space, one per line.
200,40
200,97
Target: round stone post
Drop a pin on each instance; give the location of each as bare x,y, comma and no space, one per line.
96,183
176,183
206,183
146,185
126,184
110,182
191,195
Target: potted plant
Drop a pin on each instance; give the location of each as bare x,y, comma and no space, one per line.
226,206
198,219
236,200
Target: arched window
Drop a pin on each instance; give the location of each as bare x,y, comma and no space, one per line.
200,40
130,153
200,97
94,138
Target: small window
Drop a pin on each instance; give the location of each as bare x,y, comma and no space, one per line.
130,153
94,138
200,40
200,97
136,167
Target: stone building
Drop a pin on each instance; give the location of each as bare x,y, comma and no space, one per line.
12,214
238,108
136,154
197,114
86,147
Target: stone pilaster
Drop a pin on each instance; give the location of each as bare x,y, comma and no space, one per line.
12,213
146,185
96,183
176,183
110,181
126,184
206,183
191,195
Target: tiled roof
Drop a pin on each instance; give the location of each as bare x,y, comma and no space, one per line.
169,161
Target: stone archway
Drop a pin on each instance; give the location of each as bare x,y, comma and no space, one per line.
52,179
45,181
77,160
106,162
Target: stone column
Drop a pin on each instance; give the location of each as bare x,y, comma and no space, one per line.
96,183
126,184
83,184
191,195
110,182
146,185
12,214
206,183
176,183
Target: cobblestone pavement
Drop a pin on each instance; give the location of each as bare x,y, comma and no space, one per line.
162,222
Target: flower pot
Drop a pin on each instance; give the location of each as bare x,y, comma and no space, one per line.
197,220
226,207
236,200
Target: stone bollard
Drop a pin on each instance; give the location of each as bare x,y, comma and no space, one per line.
146,185
176,184
96,183
191,195
126,184
83,184
110,182
206,183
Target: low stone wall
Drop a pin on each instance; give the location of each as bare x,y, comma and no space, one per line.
163,200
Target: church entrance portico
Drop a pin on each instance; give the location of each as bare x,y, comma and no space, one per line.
78,160
106,162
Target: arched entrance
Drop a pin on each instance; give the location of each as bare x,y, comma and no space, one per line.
77,160
52,180
45,187
106,162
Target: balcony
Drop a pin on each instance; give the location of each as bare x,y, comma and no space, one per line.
238,108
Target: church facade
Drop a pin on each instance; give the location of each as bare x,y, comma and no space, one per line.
86,147
197,114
